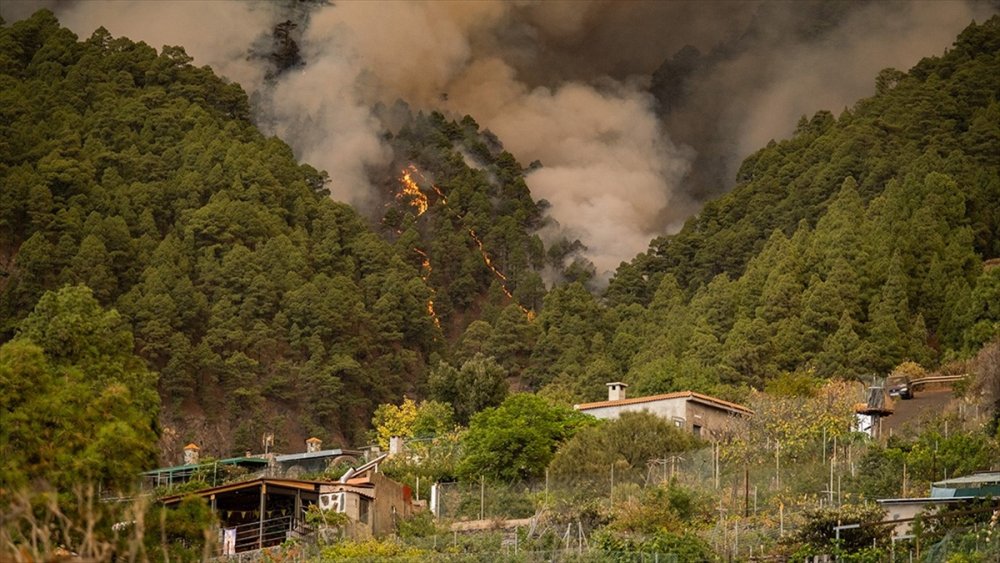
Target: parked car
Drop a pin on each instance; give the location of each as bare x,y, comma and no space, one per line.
899,386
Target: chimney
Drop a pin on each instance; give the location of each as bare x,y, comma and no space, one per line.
313,444
191,454
395,445
616,390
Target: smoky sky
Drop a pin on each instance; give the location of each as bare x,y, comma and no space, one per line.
638,111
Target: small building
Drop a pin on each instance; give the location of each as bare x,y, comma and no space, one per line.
314,460
704,416
215,471
266,511
979,484
959,490
902,511
373,502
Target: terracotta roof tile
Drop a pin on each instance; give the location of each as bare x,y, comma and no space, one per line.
676,395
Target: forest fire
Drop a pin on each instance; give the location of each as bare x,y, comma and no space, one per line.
419,200
412,190
426,266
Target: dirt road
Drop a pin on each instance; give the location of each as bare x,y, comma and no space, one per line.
923,405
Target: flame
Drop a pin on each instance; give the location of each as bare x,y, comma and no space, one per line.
426,266
420,201
411,189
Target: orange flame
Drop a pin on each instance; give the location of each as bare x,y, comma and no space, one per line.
426,265
410,188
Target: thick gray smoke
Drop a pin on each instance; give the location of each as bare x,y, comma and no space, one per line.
568,83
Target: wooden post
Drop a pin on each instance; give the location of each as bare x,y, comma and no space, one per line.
298,507
746,490
482,497
833,456
781,519
612,498
777,464
263,508
716,465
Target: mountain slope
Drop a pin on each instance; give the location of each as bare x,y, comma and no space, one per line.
945,107
843,251
264,305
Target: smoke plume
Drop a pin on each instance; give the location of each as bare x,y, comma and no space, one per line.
634,130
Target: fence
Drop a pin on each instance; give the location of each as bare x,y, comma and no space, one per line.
753,502
256,535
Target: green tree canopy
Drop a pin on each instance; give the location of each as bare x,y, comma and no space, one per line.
77,405
517,439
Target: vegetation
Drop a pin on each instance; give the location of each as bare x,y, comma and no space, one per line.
247,288
167,272
517,439
78,406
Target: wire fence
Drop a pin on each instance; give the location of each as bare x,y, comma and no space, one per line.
745,505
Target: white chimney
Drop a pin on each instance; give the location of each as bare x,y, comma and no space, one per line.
616,390
313,444
395,445
191,454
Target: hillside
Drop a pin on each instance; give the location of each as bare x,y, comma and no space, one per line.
850,247
265,306
262,304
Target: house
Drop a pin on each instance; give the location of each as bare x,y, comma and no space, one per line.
373,502
979,484
956,491
705,416
266,511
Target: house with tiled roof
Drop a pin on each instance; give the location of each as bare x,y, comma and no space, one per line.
703,415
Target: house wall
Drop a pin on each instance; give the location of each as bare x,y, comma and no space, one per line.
392,502
902,512
357,529
666,408
706,421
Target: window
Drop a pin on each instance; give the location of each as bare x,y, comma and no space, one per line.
363,509
697,430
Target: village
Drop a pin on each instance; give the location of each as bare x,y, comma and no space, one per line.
270,500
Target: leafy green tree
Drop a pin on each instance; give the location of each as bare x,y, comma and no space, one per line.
185,532
410,419
627,443
480,383
77,404
817,536
517,439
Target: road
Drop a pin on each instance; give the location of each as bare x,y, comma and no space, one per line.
923,405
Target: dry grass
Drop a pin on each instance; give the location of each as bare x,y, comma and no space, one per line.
45,526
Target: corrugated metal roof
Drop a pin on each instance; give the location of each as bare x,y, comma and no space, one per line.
308,455
986,478
192,466
312,486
